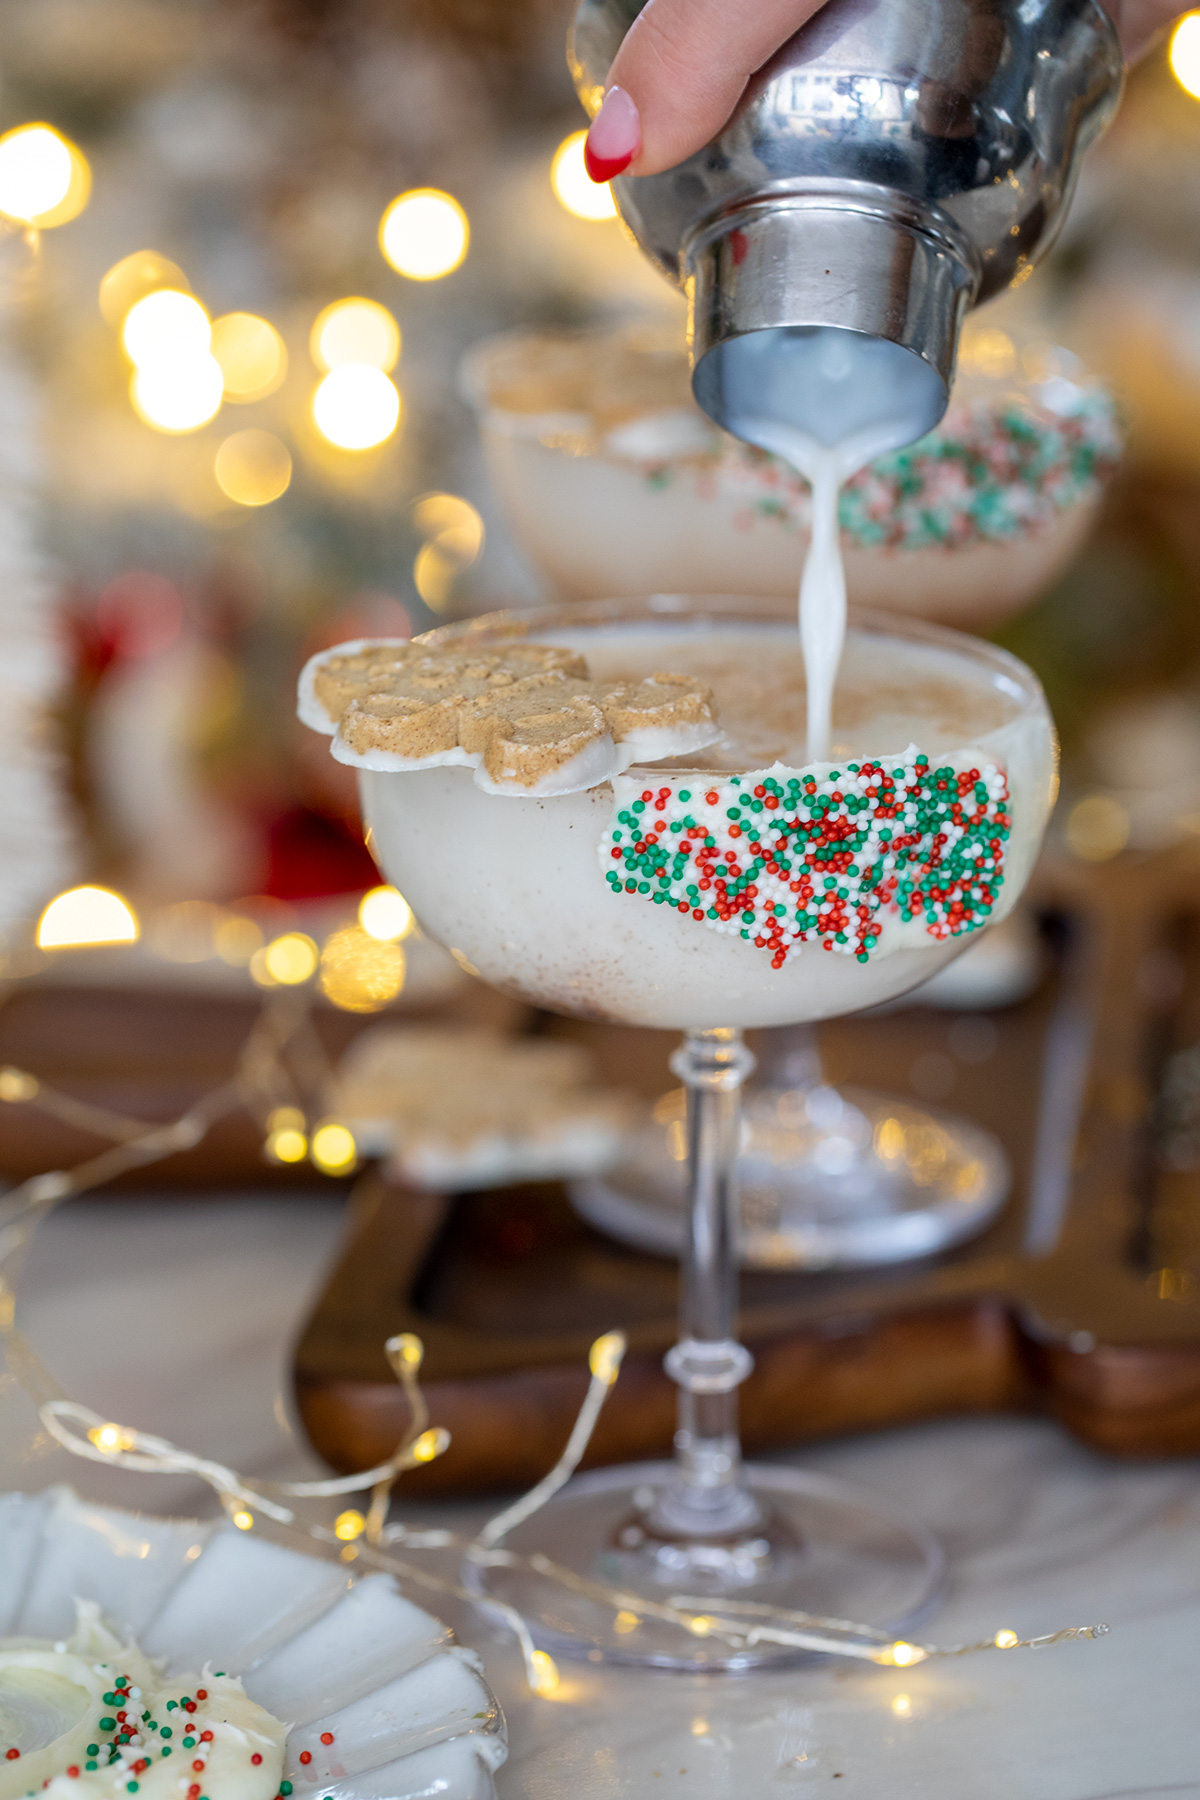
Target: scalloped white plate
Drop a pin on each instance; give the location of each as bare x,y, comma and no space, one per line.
318,1646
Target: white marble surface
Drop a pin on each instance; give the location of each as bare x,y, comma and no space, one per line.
177,1317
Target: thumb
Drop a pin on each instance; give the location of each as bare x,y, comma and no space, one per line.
679,74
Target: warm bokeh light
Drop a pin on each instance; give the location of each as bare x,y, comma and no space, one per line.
349,1525
87,915
252,356
253,467
452,523
433,576
166,324
288,1145
1097,827
183,933
586,198
242,1519
424,234
454,533
44,179
290,959
355,331
17,1084
385,914
333,1149
1005,1639
1185,54
989,352
236,938
356,407
132,278
177,396
361,973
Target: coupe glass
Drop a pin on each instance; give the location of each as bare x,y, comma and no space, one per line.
513,887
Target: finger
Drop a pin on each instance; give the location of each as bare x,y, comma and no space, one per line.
683,65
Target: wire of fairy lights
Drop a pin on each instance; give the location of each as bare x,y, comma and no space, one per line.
280,1046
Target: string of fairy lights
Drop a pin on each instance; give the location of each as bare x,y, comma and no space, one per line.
366,1532
279,1078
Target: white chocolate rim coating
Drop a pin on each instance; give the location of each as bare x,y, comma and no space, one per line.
309,709
597,762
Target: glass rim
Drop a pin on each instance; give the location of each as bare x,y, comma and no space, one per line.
516,622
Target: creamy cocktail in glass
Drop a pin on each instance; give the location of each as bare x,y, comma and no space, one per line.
731,886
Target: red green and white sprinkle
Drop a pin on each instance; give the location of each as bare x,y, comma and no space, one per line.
782,857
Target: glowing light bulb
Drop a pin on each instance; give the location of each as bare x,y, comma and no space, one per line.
385,914
356,407
355,331
132,278
166,325
406,1348
424,234
1004,1640
543,1672
576,190
87,915
349,1525
903,1655
290,959
361,972
252,355
243,1519
333,1149
110,1438
431,1443
1185,54
604,1357
44,179
253,468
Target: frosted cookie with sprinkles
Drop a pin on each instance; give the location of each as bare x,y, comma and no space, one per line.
526,718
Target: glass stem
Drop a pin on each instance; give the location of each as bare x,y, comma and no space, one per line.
705,1497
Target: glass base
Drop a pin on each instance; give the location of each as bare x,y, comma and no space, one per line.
817,1546
828,1178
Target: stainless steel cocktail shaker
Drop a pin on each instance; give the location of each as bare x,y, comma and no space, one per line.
896,162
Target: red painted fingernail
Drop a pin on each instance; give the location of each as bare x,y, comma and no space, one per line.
615,137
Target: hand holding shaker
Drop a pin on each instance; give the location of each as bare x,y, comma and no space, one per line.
895,163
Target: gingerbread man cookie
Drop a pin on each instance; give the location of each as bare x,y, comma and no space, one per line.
526,717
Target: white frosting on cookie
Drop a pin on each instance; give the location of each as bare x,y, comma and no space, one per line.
94,1719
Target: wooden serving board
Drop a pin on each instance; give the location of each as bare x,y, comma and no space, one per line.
1083,1298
